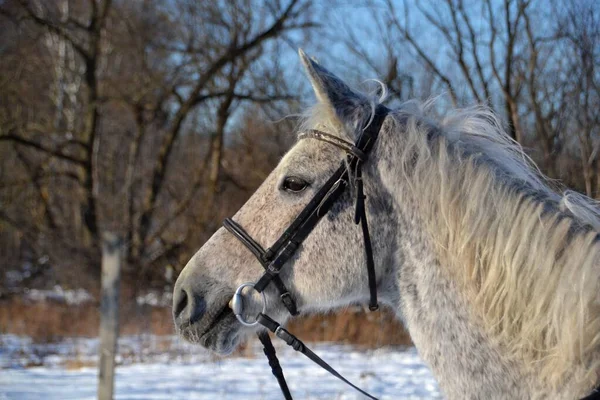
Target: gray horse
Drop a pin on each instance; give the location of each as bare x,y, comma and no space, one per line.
494,274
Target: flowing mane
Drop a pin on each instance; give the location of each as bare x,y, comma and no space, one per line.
527,256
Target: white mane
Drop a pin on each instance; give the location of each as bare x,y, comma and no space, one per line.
528,257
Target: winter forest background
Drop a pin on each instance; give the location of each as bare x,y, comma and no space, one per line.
155,119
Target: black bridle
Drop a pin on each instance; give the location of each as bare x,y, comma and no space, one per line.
275,257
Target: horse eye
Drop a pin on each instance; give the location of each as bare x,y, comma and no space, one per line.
294,184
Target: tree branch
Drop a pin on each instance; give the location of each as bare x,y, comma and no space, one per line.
38,146
421,53
57,29
234,51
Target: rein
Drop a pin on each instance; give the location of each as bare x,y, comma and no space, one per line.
275,257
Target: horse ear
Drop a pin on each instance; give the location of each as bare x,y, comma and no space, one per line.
347,106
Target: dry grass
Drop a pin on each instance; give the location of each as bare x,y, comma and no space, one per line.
75,364
352,326
50,321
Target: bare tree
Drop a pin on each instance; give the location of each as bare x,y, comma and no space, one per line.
156,84
579,26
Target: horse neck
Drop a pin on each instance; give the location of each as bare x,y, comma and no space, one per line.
465,362
441,320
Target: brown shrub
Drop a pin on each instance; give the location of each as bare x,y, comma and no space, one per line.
352,326
49,321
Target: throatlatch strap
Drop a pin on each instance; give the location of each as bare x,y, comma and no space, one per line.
269,351
297,345
360,216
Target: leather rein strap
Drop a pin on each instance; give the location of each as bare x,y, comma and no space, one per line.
275,257
299,346
269,351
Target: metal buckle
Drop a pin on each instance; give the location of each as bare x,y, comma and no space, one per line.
237,304
283,335
288,302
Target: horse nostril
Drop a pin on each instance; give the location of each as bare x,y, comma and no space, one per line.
197,308
181,303
188,306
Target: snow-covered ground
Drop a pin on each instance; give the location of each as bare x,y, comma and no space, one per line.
166,368
59,295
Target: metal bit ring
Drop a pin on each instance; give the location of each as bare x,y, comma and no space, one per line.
237,304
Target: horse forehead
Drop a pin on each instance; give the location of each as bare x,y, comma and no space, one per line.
308,152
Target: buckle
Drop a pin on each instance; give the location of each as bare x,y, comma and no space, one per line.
288,302
283,335
290,339
272,270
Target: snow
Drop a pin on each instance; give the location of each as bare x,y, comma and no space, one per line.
59,295
156,368
156,299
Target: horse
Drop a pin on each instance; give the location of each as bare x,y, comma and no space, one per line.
493,270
